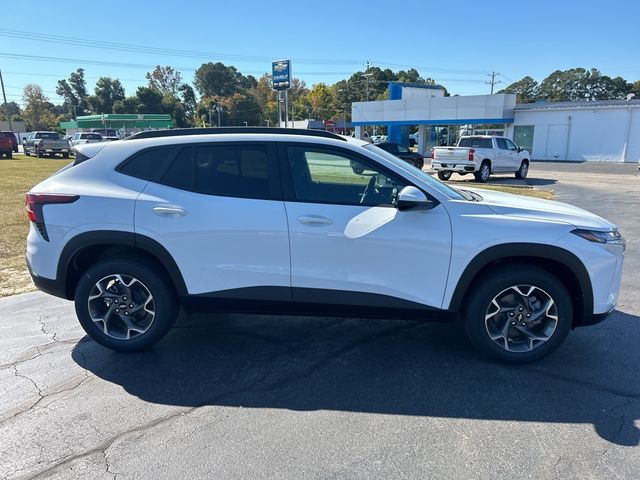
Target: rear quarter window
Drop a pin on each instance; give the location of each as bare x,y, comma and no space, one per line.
147,164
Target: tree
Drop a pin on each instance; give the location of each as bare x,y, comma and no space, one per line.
218,80
189,102
107,92
322,101
126,105
74,92
11,107
525,89
582,84
635,89
165,79
37,113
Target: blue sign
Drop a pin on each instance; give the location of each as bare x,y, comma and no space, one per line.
281,74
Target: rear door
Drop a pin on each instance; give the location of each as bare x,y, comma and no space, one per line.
217,208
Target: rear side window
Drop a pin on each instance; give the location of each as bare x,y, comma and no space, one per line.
475,142
502,145
148,164
223,170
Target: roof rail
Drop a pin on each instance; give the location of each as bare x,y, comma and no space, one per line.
178,132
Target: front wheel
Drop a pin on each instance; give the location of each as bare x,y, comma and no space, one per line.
444,175
65,155
518,313
26,151
125,304
522,172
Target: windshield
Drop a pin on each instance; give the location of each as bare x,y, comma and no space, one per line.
92,136
425,177
475,142
50,135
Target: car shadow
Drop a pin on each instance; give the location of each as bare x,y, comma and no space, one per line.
388,367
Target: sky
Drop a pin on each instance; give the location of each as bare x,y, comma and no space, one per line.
458,43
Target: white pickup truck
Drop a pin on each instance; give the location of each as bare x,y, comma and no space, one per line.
481,155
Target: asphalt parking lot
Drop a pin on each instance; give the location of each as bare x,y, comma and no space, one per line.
231,396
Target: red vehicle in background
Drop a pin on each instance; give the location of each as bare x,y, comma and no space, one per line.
14,140
6,147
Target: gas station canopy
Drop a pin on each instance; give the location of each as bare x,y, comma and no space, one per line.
127,121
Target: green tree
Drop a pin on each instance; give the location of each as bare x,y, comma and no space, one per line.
74,92
11,107
37,112
525,89
322,100
107,92
189,102
216,79
126,105
166,80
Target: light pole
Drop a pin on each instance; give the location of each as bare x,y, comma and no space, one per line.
268,123
246,124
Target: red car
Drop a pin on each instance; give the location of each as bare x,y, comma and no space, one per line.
14,140
6,147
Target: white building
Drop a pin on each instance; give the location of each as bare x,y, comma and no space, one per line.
573,131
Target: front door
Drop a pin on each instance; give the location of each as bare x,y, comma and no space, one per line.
349,244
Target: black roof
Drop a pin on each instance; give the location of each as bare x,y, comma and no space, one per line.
177,132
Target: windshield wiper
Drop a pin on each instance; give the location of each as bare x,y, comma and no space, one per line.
469,195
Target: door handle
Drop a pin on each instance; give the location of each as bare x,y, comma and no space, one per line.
169,211
314,220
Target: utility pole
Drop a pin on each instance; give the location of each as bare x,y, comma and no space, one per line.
6,107
219,109
493,80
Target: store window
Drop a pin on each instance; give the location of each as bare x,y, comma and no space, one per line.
523,136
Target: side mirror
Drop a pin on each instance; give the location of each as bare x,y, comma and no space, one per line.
520,149
411,198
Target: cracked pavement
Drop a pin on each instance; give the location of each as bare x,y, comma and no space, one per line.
238,396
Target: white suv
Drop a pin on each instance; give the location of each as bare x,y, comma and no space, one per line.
268,221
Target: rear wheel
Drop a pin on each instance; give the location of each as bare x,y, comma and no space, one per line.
483,174
125,304
26,151
418,163
9,154
65,155
522,172
518,313
444,175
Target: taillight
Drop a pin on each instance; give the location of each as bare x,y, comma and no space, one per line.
433,153
471,152
34,203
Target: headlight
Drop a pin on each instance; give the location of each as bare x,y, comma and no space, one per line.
610,238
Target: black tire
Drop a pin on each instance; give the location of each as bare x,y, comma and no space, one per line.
418,163
156,283
38,153
522,172
483,174
498,280
26,152
65,155
444,175
9,154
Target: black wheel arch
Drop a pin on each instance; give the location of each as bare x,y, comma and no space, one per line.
563,264
86,248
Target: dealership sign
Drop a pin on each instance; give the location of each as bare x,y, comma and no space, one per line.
281,74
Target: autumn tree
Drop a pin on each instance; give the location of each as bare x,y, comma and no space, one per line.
37,112
166,80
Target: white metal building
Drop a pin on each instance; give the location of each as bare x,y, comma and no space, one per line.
572,131
607,130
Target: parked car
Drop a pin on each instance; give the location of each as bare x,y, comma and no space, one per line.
403,152
414,138
45,143
107,134
14,140
6,147
80,138
480,155
274,221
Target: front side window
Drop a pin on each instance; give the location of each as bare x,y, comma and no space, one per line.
511,145
502,145
403,149
328,176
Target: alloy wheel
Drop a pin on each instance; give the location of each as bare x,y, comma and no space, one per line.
122,306
521,318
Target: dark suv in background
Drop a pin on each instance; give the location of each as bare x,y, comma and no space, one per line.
14,140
